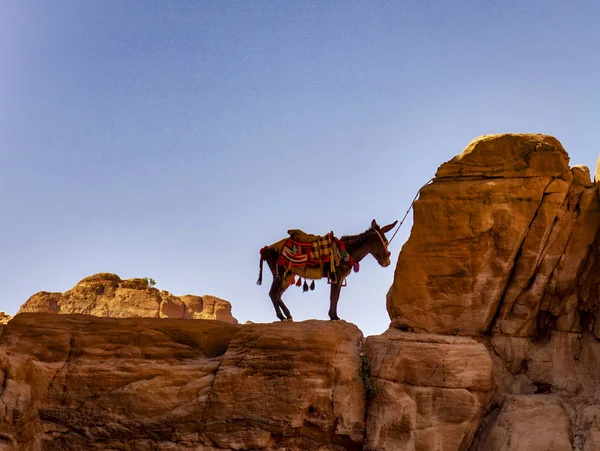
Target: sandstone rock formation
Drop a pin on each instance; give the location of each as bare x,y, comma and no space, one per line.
81,382
431,391
494,342
106,295
502,233
4,318
505,249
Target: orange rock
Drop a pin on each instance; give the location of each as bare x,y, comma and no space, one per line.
289,386
73,380
106,295
4,318
505,247
82,382
498,289
207,307
454,268
502,234
529,423
431,391
509,155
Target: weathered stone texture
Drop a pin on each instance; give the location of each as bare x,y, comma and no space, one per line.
431,391
494,341
529,423
81,382
290,386
505,248
502,234
107,295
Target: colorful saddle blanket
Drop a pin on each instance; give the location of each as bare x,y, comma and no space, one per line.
307,254
310,255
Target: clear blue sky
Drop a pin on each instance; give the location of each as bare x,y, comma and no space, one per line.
174,139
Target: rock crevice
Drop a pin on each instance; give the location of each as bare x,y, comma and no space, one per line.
529,292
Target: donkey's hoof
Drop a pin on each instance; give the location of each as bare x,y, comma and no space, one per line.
335,318
289,320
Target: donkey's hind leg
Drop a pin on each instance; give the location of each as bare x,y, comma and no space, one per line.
274,294
281,281
279,285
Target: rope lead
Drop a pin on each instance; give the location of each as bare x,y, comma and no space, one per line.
407,211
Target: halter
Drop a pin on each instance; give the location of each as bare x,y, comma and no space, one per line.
385,246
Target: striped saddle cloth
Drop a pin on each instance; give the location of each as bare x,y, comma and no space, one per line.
312,252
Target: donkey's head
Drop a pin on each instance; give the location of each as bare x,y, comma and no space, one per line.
379,243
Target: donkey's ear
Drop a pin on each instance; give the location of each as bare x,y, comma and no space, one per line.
389,227
374,224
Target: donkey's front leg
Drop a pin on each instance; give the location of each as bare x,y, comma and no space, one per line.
334,297
286,312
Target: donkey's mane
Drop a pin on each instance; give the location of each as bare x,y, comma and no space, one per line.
358,240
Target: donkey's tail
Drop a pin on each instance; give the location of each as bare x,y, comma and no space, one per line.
262,259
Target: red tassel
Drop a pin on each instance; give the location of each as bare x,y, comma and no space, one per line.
299,282
293,281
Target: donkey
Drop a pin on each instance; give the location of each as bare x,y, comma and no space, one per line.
371,241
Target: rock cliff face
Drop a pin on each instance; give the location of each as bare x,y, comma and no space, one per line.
82,382
504,249
430,391
79,382
106,295
501,240
493,344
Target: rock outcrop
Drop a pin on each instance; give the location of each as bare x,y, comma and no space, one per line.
82,382
431,391
494,343
4,318
505,249
503,233
107,295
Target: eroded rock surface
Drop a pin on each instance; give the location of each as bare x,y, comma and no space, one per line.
290,386
430,391
529,423
505,249
81,382
107,295
493,345
503,232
